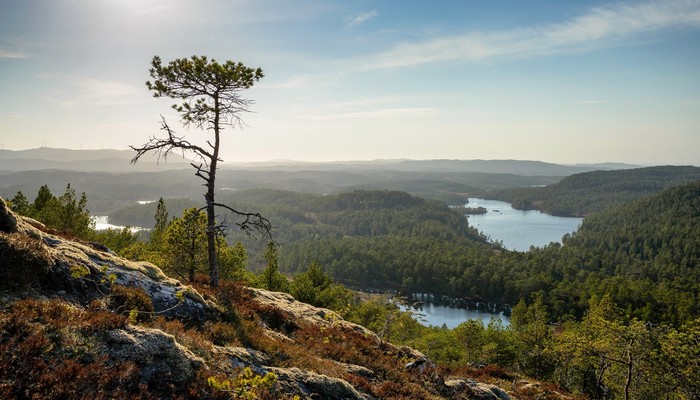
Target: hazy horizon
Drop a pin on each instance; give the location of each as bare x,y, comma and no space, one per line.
375,160
579,82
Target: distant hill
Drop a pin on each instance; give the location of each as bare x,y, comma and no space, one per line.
111,181
580,194
83,160
515,167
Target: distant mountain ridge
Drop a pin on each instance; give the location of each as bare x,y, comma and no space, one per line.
105,160
515,167
111,160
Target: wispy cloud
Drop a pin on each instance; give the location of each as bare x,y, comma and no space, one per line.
360,18
9,54
401,112
96,92
15,49
600,27
592,101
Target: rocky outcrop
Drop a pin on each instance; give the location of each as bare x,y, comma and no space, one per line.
477,390
318,386
158,355
99,268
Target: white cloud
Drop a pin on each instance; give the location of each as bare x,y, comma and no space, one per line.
600,27
361,18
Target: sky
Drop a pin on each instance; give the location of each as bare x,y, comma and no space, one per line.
558,81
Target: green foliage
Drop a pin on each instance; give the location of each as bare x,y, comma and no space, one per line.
640,253
533,338
132,302
222,81
20,205
581,194
246,385
233,261
679,356
117,240
307,286
271,278
605,357
161,225
185,246
144,214
66,213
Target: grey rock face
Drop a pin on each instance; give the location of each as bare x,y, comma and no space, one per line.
157,353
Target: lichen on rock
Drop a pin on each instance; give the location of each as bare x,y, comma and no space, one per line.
157,354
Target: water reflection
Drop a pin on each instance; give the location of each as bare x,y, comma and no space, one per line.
435,310
517,229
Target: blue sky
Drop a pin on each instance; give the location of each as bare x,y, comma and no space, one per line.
558,81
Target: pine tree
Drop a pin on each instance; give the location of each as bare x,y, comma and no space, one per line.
161,217
271,278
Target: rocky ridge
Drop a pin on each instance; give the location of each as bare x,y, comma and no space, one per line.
79,278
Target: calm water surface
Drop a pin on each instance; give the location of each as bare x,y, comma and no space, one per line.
102,222
436,311
518,230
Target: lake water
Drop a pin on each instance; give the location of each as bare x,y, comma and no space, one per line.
517,229
438,310
102,223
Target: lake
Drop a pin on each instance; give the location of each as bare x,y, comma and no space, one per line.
517,229
434,310
102,222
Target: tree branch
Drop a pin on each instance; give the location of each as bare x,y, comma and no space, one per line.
164,147
251,221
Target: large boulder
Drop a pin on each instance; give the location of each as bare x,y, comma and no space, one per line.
159,357
317,386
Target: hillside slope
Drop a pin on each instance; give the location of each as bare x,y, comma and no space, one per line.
76,321
580,194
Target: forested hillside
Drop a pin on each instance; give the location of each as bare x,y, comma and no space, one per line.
642,253
580,194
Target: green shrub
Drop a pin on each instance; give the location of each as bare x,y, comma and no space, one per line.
132,301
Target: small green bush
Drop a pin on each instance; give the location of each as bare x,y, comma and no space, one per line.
132,301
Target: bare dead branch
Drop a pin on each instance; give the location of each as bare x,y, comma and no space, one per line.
251,222
164,147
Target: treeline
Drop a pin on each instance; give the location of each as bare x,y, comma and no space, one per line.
581,194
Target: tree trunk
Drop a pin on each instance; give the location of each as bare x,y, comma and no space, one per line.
211,216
